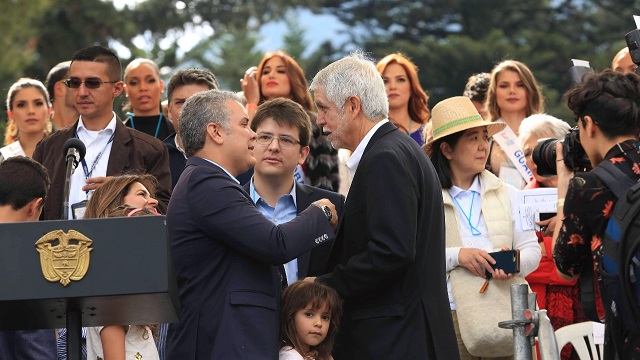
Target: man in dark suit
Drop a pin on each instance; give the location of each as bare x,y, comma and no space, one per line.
283,132
112,148
224,250
182,85
23,190
387,262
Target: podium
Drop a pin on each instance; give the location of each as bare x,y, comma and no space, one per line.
128,279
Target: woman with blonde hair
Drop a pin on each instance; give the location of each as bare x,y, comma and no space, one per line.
279,75
513,95
408,103
28,110
143,88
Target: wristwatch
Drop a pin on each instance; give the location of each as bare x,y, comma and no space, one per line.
326,210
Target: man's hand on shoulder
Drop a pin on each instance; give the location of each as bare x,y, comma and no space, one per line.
95,182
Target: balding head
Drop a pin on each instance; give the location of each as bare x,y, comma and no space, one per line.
622,62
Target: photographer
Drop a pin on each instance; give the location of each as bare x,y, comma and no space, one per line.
606,106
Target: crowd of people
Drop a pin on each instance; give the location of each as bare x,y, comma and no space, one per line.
271,261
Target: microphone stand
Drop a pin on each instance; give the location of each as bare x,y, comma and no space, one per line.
72,156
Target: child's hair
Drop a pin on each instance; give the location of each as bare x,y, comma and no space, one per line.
129,211
298,296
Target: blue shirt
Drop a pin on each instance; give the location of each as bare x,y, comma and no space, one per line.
284,211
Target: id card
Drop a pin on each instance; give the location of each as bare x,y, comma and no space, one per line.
78,209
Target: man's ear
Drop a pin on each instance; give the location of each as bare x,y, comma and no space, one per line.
353,105
117,89
214,132
34,208
304,152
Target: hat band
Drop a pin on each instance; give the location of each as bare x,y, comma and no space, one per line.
455,123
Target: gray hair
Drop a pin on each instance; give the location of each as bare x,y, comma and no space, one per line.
354,75
542,126
198,111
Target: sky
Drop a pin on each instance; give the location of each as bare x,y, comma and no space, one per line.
318,29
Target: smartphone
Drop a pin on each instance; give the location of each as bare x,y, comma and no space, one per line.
542,216
507,261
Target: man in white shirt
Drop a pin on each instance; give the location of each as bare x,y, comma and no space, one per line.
112,149
387,262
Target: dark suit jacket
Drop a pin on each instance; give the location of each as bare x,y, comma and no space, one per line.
224,251
131,151
176,159
313,263
26,345
388,260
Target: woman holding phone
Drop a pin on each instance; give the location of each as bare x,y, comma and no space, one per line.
480,212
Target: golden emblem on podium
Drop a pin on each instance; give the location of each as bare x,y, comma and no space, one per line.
66,261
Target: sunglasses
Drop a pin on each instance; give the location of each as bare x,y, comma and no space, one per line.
75,83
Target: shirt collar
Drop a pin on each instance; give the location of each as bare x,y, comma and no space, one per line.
621,148
223,169
475,187
354,160
109,129
175,140
255,196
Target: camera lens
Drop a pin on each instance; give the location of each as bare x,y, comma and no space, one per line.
544,156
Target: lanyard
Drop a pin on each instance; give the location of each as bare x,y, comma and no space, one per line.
474,230
87,172
133,126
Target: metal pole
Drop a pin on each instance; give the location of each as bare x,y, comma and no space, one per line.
74,335
547,338
520,303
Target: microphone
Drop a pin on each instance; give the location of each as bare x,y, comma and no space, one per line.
74,151
74,148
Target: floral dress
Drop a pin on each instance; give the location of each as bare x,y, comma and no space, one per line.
587,209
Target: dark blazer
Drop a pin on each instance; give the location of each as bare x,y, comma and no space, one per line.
26,345
388,259
224,253
177,161
131,151
313,263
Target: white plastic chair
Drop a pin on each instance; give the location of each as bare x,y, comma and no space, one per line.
580,335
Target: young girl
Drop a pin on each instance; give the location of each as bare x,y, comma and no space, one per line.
310,319
129,341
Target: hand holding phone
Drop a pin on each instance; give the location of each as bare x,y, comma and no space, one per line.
507,261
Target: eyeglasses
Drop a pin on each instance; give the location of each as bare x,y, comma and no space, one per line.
90,83
285,141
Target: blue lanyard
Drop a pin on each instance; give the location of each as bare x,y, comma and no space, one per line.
87,172
133,126
474,230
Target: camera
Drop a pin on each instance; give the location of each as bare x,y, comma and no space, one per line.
573,154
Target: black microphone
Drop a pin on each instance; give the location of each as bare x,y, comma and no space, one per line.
74,151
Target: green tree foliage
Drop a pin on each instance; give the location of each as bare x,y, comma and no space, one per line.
19,38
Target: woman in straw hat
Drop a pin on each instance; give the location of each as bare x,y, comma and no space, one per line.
480,214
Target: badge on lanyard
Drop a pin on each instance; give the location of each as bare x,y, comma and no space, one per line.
78,209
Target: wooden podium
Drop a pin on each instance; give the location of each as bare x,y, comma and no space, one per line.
128,280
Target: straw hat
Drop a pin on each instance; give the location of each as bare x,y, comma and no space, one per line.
457,114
